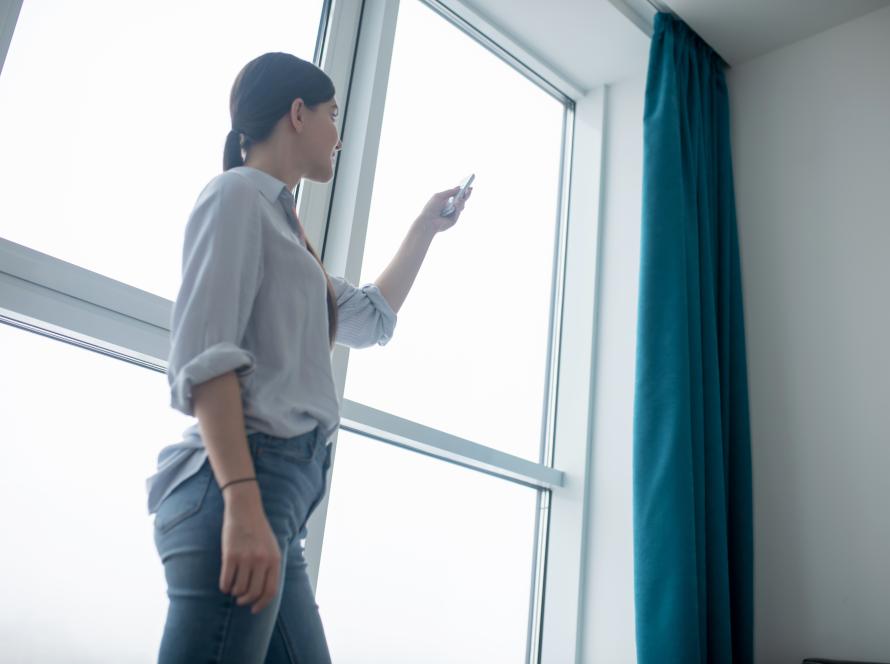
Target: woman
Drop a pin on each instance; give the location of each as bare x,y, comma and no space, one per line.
253,327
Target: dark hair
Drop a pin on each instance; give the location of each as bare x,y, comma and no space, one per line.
262,94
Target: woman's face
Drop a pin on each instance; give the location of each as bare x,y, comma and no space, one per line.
323,140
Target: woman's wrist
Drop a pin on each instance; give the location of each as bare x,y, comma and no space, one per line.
424,229
250,478
242,495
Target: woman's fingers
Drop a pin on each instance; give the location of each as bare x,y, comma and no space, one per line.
242,579
257,583
463,200
269,591
251,561
227,575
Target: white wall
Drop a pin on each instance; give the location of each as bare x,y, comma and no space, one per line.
811,149
811,145
609,634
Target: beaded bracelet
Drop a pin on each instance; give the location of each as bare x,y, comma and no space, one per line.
243,479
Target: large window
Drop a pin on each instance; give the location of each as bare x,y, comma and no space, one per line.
423,560
435,538
471,353
80,434
115,116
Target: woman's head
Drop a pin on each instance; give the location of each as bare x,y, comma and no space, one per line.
283,109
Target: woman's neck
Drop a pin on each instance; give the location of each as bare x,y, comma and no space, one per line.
268,163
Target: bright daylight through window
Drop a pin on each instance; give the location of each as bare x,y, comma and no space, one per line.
417,550
120,112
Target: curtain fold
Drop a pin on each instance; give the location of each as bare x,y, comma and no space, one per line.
693,540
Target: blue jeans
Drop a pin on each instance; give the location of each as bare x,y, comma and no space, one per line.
203,623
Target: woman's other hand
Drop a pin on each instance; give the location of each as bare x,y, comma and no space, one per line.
251,558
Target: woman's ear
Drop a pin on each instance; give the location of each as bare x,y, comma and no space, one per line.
297,114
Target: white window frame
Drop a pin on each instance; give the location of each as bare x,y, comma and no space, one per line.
49,296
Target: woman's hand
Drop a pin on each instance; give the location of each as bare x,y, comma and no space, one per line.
251,559
431,216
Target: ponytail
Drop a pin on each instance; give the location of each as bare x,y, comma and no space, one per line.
232,152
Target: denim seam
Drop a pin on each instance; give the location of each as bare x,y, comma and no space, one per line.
226,630
288,646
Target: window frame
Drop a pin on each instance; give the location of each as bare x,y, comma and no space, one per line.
54,298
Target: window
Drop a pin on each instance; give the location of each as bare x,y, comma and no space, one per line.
117,113
137,130
471,351
423,561
81,432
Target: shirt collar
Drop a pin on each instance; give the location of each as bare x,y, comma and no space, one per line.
270,186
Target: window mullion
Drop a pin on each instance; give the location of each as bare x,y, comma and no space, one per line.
398,431
568,515
372,26
50,296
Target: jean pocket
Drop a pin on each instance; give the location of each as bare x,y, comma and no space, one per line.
184,501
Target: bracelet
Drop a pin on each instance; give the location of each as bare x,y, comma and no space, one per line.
243,479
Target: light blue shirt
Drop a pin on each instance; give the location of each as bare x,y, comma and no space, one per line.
253,300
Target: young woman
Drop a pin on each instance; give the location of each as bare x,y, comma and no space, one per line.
253,327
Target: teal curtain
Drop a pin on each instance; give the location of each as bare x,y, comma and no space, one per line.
693,558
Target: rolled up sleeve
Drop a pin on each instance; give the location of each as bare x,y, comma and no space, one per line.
222,269
364,316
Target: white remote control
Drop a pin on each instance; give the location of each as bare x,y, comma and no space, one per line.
449,208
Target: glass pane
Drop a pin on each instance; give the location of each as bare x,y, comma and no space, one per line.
81,432
423,561
470,349
117,113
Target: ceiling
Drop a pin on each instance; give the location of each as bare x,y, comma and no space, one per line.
740,31
593,42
